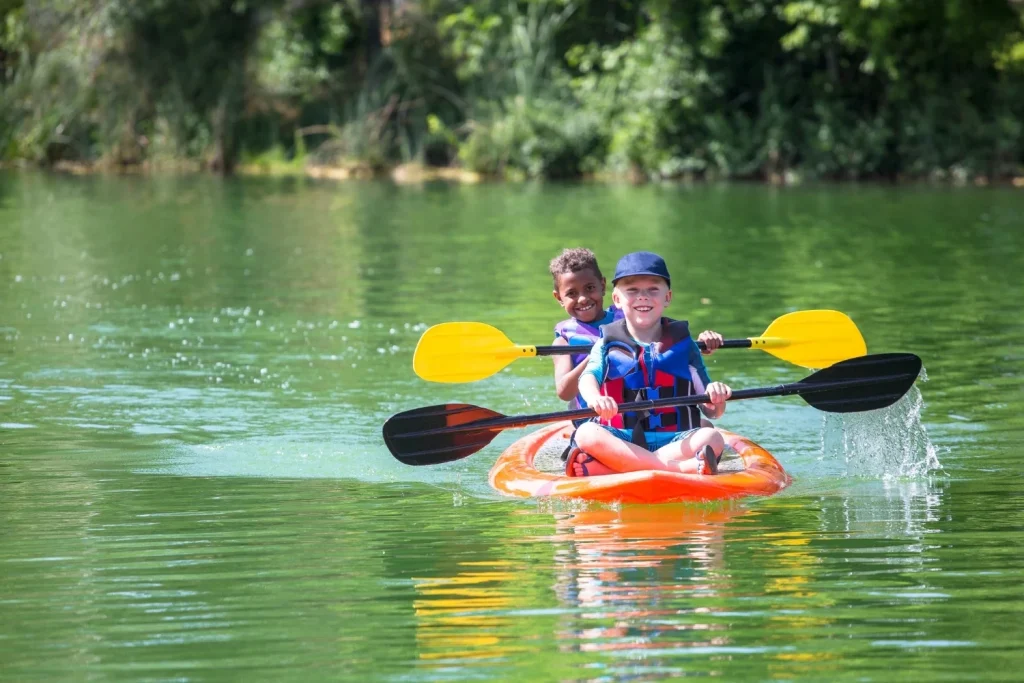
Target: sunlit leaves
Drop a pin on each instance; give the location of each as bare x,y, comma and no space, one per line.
652,88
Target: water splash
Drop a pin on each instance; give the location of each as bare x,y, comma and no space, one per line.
890,443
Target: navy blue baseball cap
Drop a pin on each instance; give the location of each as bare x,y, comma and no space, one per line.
641,263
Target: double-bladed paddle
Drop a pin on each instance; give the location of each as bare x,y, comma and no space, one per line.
467,352
437,434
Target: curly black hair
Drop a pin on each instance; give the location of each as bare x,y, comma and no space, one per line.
574,260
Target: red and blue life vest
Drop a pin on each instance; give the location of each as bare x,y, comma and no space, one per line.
662,370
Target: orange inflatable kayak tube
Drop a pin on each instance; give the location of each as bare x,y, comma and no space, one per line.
514,474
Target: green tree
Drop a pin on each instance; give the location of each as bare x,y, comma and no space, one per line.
192,59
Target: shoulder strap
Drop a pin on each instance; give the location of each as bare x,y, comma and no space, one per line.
673,332
565,328
617,332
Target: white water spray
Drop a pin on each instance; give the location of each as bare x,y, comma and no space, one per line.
891,443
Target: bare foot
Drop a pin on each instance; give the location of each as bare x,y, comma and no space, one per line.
585,465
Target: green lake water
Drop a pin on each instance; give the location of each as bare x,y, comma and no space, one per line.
193,487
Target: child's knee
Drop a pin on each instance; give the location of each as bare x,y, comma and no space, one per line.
588,434
706,436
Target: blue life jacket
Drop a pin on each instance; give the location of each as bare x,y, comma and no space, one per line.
661,370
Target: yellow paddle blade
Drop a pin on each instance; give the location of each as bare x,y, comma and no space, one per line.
464,352
812,339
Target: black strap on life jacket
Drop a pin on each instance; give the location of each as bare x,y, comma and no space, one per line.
672,331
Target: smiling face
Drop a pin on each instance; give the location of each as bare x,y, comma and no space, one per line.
581,294
642,298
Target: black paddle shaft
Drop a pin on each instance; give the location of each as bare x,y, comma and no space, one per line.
437,434
585,348
801,388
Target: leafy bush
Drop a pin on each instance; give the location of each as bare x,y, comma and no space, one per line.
523,88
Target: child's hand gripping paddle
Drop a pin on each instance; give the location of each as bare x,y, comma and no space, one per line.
429,436
467,352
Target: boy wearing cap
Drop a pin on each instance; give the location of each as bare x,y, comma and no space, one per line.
646,356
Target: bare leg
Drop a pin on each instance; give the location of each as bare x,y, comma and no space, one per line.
621,456
683,450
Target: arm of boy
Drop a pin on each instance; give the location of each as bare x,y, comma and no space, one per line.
590,383
719,393
567,377
712,340
604,406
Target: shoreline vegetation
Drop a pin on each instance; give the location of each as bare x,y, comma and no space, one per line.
413,173
777,91
409,173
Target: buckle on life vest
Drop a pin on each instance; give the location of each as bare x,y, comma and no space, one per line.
661,420
648,420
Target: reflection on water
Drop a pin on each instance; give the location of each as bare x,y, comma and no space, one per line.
900,508
627,567
795,587
193,375
460,617
603,543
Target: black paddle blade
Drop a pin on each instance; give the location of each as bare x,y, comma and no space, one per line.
862,383
414,439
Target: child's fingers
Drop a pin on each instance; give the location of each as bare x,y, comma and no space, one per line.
606,407
711,340
719,393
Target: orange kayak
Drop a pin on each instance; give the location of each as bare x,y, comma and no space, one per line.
751,472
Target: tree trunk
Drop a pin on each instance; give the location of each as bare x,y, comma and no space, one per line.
377,19
225,118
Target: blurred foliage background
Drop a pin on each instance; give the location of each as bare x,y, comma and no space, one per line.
760,89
